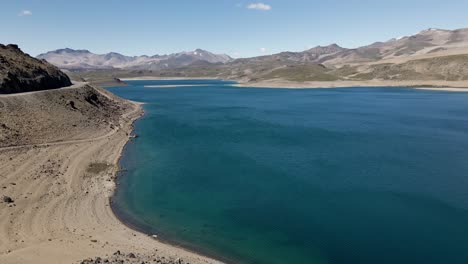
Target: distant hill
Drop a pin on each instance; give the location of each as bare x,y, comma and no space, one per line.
430,41
20,72
85,60
407,47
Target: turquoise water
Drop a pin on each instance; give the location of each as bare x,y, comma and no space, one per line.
354,175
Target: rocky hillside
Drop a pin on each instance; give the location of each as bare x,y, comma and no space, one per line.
20,72
85,60
447,68
56,115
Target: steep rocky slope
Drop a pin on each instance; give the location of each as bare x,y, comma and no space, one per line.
20,72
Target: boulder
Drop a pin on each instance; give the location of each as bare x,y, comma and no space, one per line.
7,199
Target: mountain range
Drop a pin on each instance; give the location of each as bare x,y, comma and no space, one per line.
432,54
71,59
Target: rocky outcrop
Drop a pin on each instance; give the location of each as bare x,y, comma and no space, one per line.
134,258
20,72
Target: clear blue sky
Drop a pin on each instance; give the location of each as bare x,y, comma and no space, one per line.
222,26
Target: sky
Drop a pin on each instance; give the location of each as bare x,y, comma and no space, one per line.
235,27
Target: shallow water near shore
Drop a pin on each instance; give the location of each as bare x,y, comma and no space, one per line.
346,175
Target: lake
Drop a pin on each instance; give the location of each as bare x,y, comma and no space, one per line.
255,175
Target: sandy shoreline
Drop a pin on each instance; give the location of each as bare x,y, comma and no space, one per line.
448,89
61,211
453,86
433,85
150,78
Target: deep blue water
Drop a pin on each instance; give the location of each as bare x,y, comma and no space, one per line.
352,175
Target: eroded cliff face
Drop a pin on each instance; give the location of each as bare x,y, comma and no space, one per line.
20,72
